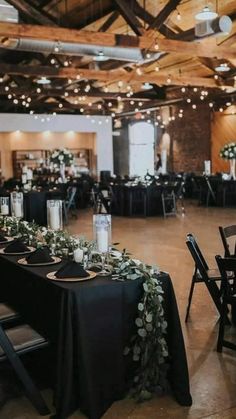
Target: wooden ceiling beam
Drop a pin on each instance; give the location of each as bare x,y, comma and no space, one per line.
149,18
163,15
52,92
129,16
31,12
112,75
109,22
12,30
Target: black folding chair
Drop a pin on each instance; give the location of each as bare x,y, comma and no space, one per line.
226,233
226,265
16,341
202,274
7,314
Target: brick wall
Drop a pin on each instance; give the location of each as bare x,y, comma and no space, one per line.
190,139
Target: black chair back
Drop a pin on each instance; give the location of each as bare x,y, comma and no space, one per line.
226,233
226,267
200,261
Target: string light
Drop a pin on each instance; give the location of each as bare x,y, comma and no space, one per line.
178,17
183,90
60,105
38,90
189,100
6,88
211,105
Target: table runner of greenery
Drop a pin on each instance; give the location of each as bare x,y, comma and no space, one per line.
147,346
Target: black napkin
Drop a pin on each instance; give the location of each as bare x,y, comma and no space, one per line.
71,270
41,255
17,246
2,238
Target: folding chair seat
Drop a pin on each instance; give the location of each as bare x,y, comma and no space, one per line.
7,314
17,341
228,297
202,274
228,234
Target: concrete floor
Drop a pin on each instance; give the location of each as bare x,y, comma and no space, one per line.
212,375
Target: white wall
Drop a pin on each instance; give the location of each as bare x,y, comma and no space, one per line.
64,123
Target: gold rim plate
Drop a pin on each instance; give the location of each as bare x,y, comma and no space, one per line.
24,262
8,239
52,276
31,249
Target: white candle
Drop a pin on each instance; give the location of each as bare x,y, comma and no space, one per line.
4,209
78,255
29,174
23,178
102,240
54,218
17,210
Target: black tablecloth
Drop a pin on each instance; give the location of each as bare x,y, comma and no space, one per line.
89,323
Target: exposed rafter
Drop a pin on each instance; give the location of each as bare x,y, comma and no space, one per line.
199,49
109,22
31,12
163,15
112,75
129,16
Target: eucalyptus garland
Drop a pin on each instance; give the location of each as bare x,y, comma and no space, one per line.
147,347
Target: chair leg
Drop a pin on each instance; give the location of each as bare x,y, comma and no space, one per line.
223,318
31,390
189,299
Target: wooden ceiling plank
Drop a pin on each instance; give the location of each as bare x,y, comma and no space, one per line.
109,22
112,75
31,12
129,16
163,15
199,49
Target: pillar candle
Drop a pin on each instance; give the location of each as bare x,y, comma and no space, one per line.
17,210
54,218
102,240
78,255
4,209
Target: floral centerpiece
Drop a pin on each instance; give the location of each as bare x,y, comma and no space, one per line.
228,152
62,156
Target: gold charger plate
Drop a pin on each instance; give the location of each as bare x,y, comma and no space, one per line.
8,239
24,262
31,249
51,275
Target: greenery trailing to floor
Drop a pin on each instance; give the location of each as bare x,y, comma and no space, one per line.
147,346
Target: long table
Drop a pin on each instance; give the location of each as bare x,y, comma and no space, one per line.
88,324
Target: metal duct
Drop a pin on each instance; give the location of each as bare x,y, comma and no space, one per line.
47,47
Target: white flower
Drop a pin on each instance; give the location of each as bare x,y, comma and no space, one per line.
137,262
61,157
